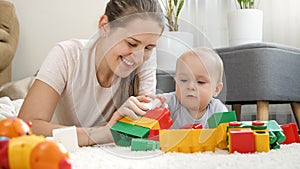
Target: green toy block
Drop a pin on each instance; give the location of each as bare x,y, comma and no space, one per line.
221,117
248,124
123,133
144,145
276,134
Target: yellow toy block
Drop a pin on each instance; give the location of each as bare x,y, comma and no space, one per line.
148,123
143,122
129,121
262,140
187,140
181,140
220,135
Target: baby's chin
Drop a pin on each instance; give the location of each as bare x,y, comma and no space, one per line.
191,106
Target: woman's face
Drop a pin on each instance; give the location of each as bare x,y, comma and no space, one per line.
131,46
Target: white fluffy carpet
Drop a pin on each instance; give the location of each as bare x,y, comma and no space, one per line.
111,156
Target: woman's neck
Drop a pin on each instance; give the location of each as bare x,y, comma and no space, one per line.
104,74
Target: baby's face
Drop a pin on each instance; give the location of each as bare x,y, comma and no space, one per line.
194,85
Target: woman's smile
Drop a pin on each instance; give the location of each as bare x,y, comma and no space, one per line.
127,62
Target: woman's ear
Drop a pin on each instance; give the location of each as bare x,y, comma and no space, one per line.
103,25
218,89
102,21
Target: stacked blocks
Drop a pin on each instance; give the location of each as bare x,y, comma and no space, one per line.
224,132
146,126
248,137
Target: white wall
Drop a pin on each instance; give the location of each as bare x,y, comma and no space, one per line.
45,22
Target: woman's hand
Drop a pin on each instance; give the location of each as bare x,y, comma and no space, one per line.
137,106
131,108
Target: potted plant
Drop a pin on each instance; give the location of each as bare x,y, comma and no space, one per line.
173,42
245,25
172,9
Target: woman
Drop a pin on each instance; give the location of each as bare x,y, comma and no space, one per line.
92,84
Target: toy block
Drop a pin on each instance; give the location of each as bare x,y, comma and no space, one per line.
262,141
123,133
148,123
153,134
276,134
254,125
129,120
192,126
180,140
142,121
220,136
162,115
221,117
241,141
291,132
144,145
67,136
187,140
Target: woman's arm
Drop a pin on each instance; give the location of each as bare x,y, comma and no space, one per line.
39,106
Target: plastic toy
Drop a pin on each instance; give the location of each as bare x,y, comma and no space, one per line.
145,126
221,117
14,127
276,135
291,133
248,137
224,133
21,150
144,145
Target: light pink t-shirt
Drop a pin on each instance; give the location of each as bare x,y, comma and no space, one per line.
70,69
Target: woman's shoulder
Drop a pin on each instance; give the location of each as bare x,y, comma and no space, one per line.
73,44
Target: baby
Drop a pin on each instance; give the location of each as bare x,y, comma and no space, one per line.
198,80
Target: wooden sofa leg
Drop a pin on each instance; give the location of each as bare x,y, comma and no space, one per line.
262,110
238,111
296,110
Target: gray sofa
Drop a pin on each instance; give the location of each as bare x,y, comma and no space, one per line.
257,73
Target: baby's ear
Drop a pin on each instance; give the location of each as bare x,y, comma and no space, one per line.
218,89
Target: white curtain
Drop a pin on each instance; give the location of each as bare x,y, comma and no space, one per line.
207,20
281,21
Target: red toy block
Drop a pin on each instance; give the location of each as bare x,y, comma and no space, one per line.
153,134
162,115
241,141
291,133
192,126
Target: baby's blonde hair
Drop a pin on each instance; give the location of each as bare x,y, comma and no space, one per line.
209,58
